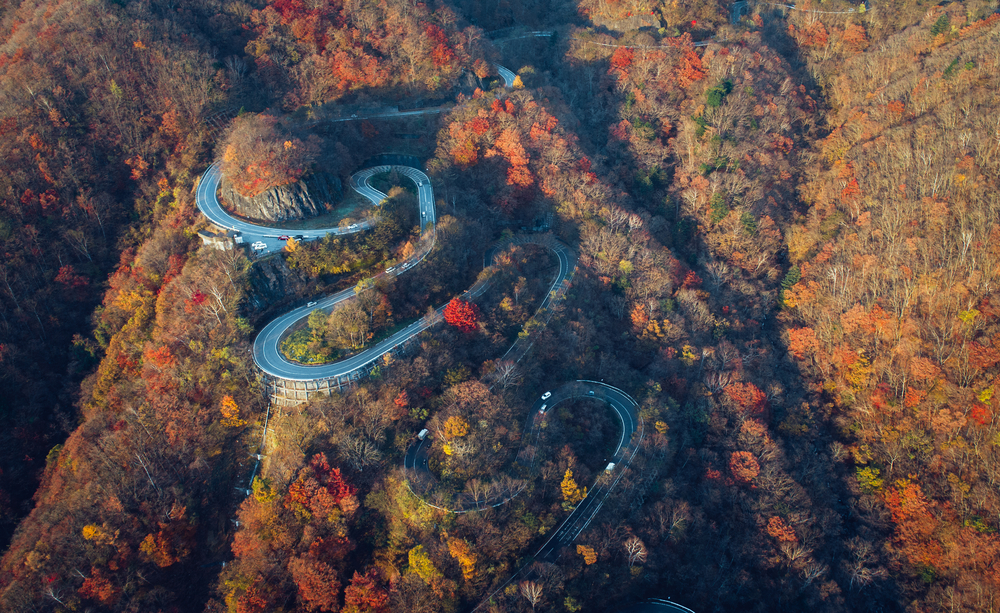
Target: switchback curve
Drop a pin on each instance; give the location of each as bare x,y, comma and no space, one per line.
415,460
270,360
266,351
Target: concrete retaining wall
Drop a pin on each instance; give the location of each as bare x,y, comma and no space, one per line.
283,392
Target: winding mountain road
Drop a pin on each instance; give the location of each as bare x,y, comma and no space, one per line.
267,346
658,605
508,75
632,434
206,197
270,360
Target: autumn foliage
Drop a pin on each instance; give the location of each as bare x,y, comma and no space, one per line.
461,314
748,397
781,531
498,141
324,51
794,281
744,466
365,594
588,553
902,353
258,154
571,492
301,535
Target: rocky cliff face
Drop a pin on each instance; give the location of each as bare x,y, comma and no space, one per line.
272,282
305,198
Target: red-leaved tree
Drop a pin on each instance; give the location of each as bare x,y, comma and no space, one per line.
365,594
461,314
318,583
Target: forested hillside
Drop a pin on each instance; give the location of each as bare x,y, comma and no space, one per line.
784,224
892,311
100,124
109,115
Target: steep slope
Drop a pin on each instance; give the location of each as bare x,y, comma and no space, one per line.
891,303
99,112
107,114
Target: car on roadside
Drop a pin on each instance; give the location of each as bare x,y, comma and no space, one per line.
546,395
283,237
390,269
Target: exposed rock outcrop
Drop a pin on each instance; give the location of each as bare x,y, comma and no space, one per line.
272,282
305,198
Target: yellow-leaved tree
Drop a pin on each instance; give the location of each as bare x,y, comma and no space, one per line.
421,564
570,490
462,552
455,426
231,413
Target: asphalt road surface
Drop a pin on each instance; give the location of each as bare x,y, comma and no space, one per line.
626,409
208,203
269,359
657,605
267,346
631,435
266,350
508,75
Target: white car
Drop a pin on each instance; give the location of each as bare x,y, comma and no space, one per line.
546,395
390,269
542,410
311,304
423,434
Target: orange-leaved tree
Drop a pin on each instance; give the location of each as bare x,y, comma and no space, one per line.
258,154
588,553
365,594
744,466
